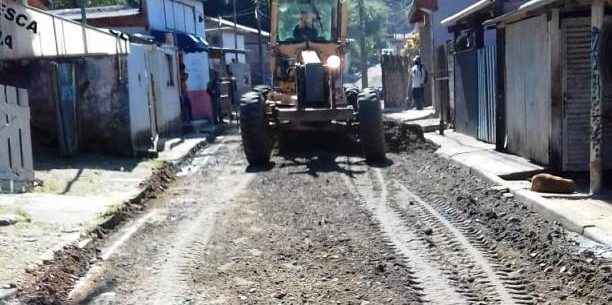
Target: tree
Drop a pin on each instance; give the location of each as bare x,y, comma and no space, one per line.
376,13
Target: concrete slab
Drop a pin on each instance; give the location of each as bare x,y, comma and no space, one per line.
480,155
409,115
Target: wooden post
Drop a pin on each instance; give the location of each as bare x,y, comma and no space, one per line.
596,164
556,89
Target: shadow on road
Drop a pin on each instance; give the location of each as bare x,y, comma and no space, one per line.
316,153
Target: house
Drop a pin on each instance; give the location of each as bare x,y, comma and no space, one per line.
43,55
474,56
554,79
82,87
241,51
175,22
426,15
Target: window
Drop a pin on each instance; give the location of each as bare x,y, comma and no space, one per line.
300,20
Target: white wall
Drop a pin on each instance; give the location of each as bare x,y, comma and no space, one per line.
196,65
35,33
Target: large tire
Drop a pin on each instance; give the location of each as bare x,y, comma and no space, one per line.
256,139
371,131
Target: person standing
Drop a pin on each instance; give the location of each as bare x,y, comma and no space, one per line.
215,95
418,76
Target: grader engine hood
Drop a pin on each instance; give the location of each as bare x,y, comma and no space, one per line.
312,81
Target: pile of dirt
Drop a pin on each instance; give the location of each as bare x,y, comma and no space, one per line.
51,283
401,137
558,269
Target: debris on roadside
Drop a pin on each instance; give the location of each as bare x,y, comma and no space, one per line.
403,137
546,183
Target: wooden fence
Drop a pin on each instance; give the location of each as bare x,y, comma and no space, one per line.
16,166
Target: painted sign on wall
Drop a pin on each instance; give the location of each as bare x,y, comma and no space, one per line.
27,32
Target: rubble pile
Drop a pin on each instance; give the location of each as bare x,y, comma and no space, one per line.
403,137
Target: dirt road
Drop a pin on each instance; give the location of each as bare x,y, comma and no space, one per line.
323,227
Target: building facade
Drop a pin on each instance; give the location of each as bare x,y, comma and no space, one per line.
176,22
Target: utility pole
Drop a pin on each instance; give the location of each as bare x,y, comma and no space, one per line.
235,31
596,160
364,51
260,41
83,12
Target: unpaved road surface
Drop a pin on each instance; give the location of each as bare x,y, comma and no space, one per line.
323,227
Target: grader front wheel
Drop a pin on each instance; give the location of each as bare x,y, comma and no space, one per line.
371,131
256,139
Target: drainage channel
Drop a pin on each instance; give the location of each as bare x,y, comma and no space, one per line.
451,262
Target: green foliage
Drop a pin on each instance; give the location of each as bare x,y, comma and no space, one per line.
376,15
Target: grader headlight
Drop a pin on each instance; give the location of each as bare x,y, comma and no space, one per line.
334,62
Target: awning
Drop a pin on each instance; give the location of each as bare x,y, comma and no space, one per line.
187,43
521,11
468,11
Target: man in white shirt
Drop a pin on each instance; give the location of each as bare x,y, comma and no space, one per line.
418,76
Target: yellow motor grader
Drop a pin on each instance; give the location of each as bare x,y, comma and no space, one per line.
307,58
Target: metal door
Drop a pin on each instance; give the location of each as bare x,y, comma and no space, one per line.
487,93
577,93
466,92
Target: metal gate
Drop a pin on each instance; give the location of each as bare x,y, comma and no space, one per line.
487,93
16,166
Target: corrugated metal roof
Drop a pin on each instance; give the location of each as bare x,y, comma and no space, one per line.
466,12
523,9
98,12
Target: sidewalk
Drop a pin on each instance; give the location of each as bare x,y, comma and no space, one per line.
578,213
78,195
410,115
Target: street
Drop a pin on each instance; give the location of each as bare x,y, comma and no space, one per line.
323,227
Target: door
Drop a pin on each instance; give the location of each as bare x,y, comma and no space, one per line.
528,98
487,93
66,108
466,92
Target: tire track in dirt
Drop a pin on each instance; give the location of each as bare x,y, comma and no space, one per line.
479,274
428,278
440,247
174,284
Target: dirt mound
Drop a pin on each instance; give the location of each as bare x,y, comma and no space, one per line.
555,266
403,137
53,281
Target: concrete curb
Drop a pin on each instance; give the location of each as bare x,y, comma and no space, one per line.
536,203
112,221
